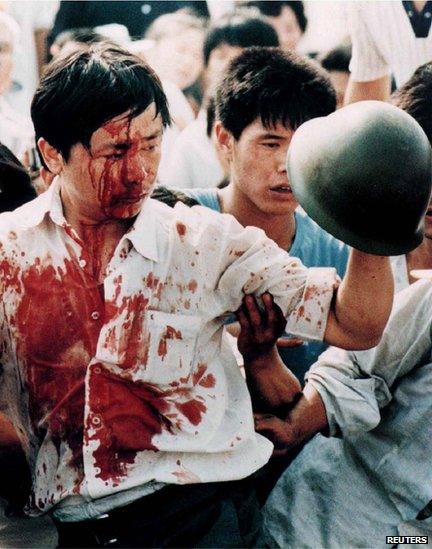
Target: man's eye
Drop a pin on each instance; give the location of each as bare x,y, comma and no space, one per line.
271,145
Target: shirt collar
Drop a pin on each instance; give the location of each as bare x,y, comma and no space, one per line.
142,235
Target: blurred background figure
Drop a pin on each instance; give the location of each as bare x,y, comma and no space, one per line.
288,19
175,51
136,16
336,63
194,162
35,20
15,131
388,39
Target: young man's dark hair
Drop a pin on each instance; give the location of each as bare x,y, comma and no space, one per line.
272,8
274,86
415,97
243,29
80,92
337,59
15,183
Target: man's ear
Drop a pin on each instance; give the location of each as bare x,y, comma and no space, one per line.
52,158
224,138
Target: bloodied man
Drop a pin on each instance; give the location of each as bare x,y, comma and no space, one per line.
135,418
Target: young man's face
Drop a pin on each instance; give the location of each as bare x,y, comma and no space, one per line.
287,28
258,168
112,178
6,58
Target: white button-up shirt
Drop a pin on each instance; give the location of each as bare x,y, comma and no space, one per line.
115,386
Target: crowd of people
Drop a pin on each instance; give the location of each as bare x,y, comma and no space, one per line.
187,358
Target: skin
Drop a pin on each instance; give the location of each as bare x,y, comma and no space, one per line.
378,90
287,28
104,186
339,79
178,57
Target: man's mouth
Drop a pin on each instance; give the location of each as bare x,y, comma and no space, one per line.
130,199
283,189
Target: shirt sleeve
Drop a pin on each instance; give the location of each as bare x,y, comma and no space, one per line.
367,62
355,385
251,263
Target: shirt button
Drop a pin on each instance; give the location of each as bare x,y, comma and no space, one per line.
95,315
146,9
96,420
97,370
82,263
427,15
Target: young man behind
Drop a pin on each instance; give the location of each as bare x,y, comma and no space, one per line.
265,95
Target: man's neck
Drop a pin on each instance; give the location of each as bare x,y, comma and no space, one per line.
280,228
99,238
419,5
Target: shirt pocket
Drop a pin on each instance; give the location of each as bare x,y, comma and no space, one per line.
172,345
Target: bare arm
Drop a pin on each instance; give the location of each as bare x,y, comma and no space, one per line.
363,303
273,387
363,91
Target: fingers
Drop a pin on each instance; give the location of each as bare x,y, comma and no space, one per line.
253,311
291,342
274,429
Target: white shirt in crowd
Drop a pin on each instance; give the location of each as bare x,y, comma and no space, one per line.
135,384
384,43
16,131
193,163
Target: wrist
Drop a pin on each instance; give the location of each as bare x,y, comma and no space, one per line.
309,416
267,359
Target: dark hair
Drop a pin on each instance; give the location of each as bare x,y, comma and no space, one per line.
80,92
211,115
243,29
172,196
275,86
415,97
273,8
80,35
337,59
15,183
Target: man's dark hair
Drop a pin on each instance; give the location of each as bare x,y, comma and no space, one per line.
80,92
243,29
415,97
274,86
272,8
337,59
15,183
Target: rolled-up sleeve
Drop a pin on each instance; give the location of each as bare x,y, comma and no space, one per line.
355,385
253,264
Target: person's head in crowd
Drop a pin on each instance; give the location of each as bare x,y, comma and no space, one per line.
288,19
228,36
69,40
176,53
15,183
98,115
9,33
415,98
336,63
265,96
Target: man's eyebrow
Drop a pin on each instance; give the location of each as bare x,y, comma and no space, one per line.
271,136
125,145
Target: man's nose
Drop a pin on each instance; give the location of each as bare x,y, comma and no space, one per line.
136,168
281,159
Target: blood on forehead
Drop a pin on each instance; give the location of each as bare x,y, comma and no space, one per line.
123,128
